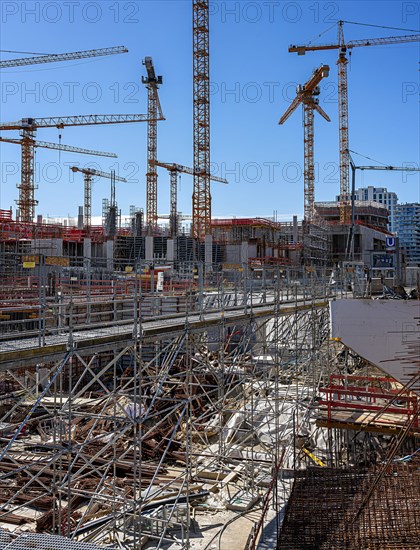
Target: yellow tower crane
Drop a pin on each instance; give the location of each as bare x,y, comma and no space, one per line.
56,146
343,107
28,128
154,111
306,95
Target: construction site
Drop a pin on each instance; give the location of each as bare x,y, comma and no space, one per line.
239,383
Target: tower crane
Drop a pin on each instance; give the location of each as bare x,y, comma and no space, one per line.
88,175
174,170
342,62
306,95
154,108
350,242
54,57
28,128
201,199
23,198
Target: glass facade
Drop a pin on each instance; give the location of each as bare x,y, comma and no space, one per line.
407,227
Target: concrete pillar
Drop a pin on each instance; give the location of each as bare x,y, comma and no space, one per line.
295,229
57,245
87,248
109,255
80,218
171,250
208,251
149,248
244,252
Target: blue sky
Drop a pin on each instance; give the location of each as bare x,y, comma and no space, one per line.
253,81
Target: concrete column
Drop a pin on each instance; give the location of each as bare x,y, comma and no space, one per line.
208,251
149,248
80,218
109,255
171,250
244,252
87,248
295,229
57,244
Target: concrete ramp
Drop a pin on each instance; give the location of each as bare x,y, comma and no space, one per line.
384,332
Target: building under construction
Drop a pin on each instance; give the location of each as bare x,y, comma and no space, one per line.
239,383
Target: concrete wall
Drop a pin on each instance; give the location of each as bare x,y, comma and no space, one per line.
233,253
87,248
49,247
240,253
411,274
368,237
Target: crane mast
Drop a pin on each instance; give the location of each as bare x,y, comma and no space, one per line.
343,128
306,95
87,209
173,199
309,172
201,199
342,62
152,83
26,202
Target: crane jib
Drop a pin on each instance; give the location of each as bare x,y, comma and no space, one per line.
78,120
302,49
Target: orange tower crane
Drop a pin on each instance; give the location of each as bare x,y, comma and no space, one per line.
154,109
28,128
54,57
201,199
88,175
343,108
306,95
48,145
174,170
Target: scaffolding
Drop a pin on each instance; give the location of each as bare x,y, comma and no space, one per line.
122,440
134,400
